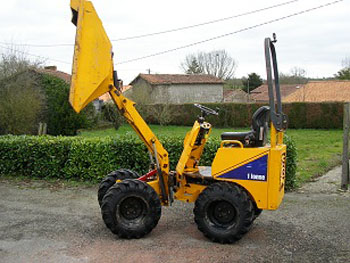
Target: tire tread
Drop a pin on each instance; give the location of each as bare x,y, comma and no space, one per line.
217,190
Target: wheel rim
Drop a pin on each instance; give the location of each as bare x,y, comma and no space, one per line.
222,213
132,208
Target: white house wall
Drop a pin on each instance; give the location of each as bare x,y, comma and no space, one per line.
187,93
144,93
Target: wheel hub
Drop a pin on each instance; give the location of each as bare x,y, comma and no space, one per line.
132,208
222,213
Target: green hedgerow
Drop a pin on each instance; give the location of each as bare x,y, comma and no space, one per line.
90,159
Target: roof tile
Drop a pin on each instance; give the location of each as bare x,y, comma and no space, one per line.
178,79
59,74
322,91
261,94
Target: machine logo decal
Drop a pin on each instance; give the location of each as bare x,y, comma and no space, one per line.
255,171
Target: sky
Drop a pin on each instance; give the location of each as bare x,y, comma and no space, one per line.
316,41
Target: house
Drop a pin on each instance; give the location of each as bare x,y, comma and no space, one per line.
260,94
236,95
321,91
107,98
175,89
52,70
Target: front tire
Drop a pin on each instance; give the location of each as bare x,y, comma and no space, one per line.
224,212
110,180
131,209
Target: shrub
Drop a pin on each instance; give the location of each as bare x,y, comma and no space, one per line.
291,165
22,104
30,97
60,116
111,114
90,159
162,114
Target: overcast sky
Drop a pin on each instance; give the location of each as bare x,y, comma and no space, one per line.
316,41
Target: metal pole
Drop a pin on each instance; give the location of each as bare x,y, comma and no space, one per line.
345,168
248,91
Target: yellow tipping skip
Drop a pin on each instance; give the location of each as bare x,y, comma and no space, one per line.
92,70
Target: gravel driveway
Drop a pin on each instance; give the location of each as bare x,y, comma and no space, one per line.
42,222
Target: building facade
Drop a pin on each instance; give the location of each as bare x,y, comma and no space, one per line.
175,89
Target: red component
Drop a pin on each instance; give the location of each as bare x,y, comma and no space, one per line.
147,175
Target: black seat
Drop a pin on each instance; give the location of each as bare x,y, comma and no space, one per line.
257,137
239,136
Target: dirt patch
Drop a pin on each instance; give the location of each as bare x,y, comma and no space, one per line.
40,223
328,183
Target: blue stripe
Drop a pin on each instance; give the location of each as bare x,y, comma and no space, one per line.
254,171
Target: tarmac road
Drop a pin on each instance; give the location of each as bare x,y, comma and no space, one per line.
42,222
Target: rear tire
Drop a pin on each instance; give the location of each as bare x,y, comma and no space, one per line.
257,212
224,212
110,180
131,209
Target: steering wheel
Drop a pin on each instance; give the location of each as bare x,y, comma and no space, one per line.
206,110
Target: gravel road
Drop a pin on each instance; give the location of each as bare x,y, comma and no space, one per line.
43,222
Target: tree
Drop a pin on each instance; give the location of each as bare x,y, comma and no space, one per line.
217,63
15,62
298,72
344,73
252,82
346,62
297,75
192,66
22,103
28,97
60,117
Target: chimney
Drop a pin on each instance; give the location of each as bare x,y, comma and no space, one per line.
53,68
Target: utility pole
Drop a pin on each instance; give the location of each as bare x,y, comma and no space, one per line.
248,91
345,169
148,70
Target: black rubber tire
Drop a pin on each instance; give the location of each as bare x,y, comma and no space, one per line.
224,212
257,212
110,180
131,209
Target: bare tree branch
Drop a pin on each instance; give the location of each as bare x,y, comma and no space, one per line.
217,63
346,62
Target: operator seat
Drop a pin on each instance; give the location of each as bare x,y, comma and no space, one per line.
257,137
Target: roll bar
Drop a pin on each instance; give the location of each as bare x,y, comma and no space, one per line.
279,120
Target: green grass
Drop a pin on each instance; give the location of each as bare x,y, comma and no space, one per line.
318,150
157,129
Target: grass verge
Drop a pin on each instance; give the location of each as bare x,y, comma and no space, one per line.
318,150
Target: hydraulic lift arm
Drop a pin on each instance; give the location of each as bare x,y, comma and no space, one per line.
93,75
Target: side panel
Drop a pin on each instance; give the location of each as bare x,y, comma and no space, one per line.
277,173
246,167
261,171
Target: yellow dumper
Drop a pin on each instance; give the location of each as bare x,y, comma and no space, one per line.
247,174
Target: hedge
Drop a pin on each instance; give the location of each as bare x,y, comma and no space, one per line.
327,115
90,159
